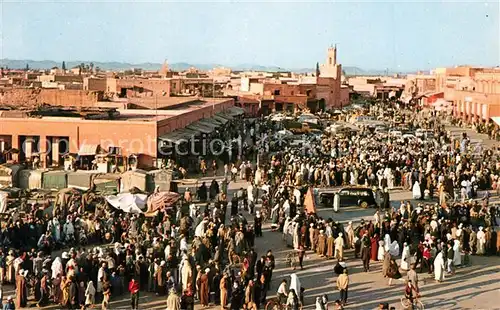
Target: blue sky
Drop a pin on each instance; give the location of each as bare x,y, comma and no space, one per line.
370,34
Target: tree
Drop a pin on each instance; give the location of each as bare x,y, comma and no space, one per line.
317,69
92,67
82,67
63,66
27,67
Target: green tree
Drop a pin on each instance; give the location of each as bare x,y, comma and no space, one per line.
317,69
27,67
91,67
63,66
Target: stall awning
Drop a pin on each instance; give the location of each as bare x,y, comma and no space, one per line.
187,134
235,111
88,149
216,121
220,118
201,128
225,115
169,137
208,123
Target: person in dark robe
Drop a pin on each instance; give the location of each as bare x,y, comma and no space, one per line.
374,247
234,205
252,260
21,290
202,192
204,288
237,297
259,266
262,292
215,287
258,224
214,189
365,251
386,201
187,299
44,290
72,294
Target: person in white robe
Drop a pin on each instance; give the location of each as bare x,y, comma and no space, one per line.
406,257
381,250
439,267
296,238
258,177
339,247
457,258
295,283
200,229
288,222
394,249
296,195
350,235
56,229
57,267
286,207
387,242
481,241
183,247
416,191
90,294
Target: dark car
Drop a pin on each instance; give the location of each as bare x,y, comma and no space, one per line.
350,196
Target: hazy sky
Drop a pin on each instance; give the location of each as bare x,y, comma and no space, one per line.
370,34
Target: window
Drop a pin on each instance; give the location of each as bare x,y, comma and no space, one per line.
276,92
363,193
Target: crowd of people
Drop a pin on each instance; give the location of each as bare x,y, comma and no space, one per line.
200,252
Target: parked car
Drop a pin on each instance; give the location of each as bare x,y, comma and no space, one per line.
350,196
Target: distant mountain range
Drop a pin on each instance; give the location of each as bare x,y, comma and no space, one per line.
178,66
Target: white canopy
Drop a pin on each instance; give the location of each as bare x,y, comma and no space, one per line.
130,203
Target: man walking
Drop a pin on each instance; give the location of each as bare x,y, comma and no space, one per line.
343,285
449,255
133,288
365,251
413,277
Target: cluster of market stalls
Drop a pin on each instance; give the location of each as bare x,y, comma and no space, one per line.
14,180
135,202
197,137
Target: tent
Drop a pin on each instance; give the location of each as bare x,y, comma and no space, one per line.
64,198
160,200
310,202
129,203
